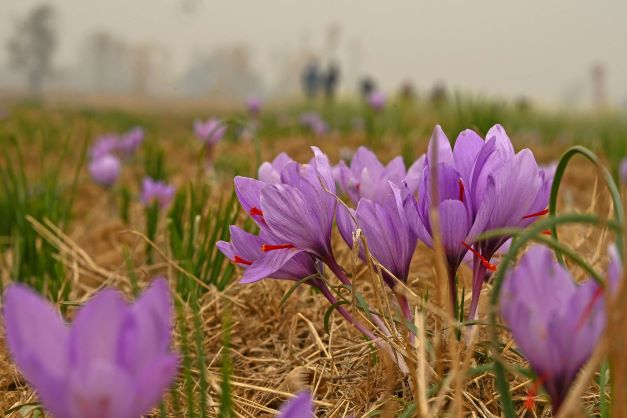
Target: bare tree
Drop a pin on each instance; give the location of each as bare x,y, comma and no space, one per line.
32,46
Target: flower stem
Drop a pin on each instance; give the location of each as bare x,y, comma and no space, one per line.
479,271
338,271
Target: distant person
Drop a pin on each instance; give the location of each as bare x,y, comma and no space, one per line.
408,92
311,80
438,94
331,80
366,87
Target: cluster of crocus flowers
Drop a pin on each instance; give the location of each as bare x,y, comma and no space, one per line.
113,361
366,177
156,192
555,322
481,185
104,164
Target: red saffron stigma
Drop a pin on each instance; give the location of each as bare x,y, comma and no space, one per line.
484,261
533,215
239,260
547,232
461,190
586,313
256,211
269,247
532,392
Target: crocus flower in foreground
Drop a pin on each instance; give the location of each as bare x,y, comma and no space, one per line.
105,170
130,141
210,132
300,406
377,100
555,322
156,191
113,361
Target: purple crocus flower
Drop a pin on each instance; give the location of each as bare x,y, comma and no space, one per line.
130,141
105,145
313,122
245,250
555,322
113,361
482,185
298,212
210,132
622,171
156,191
367,177
377,100
105,170
254,104
300,406
270,172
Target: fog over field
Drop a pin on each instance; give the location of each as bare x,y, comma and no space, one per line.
542,50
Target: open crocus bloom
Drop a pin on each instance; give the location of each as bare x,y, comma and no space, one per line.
245,250
210,132
555,322
105,170
157,191
300,406
482,185
114,361
367,177
270,172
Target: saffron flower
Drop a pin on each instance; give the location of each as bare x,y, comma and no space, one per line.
113,361
300,406
105,145
254,104
270,172
482,185
377,100
555,322
130,141
245,250
105,170
367,177
210,132
314,123
155,191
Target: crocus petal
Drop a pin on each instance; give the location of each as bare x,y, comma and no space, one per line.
300,406
454,227
415,174
153,382
95,332
467,148
268,264
101,390
248,193
444,151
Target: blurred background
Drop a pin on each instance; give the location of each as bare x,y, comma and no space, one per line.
558,54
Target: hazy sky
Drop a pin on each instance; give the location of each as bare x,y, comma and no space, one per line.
543,49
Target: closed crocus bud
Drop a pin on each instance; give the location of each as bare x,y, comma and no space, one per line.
157,191
105,170
555,322
113,361
209,132
377,100
254,104
131,140
300,406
